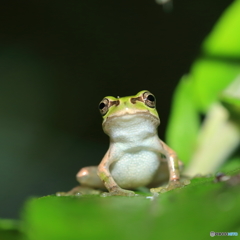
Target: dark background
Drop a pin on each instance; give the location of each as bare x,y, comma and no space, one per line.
58,59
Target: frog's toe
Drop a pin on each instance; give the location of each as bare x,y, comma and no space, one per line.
59,194
119,192
172,185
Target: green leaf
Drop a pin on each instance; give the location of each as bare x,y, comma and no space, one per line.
184,121
177,214
217,140
224,40
232,164
10,229
213,79
230,98
210,78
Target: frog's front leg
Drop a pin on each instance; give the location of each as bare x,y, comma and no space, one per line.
173,168
107,179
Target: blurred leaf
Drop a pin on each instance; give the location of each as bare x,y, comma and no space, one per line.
211,150
10,230
232,163
184,121
209,79
214,79
176,214
224,40
218,138
230,98
9,224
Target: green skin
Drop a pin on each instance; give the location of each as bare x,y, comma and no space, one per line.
126,103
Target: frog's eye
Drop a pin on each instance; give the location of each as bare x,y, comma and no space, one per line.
103,106
149,99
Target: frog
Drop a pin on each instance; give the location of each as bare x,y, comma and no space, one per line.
136,157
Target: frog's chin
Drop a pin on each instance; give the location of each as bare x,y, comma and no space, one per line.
128,122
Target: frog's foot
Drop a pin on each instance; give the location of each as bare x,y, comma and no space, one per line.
172,185
119,192
80,190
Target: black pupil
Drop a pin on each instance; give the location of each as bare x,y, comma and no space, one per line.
151,98
101,105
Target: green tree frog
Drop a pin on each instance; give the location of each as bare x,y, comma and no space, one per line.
136,156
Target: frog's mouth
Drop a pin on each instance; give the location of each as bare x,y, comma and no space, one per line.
130,119
128,114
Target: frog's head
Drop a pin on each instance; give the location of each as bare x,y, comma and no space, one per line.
143,104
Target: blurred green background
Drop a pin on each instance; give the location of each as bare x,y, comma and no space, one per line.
59,59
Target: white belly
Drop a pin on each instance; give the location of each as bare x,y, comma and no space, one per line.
134,170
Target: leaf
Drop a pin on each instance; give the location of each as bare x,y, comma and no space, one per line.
210,78
10,229
230,98
184,121
224,40
217,140
177,214
216,70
